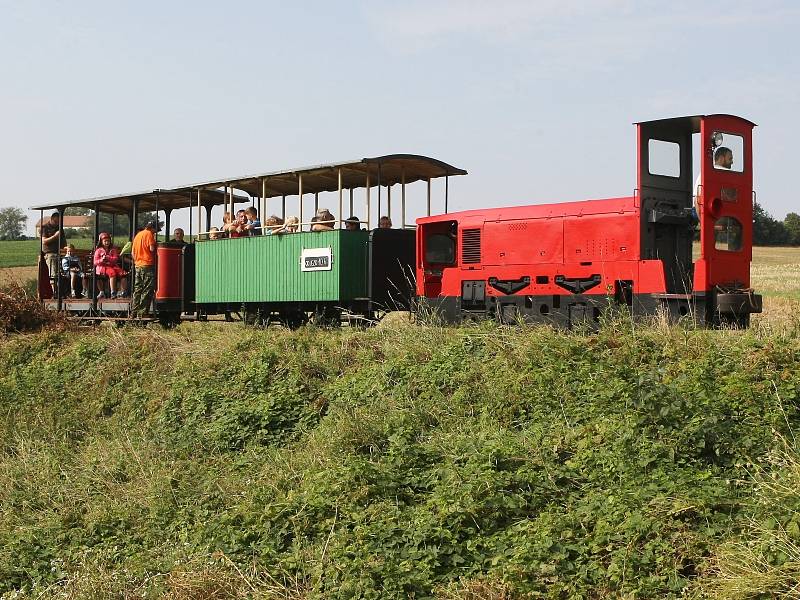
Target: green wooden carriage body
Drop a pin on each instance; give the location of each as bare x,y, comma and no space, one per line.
263,269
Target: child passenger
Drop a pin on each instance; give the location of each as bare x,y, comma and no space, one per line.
274,224
253,226
71,266
107,263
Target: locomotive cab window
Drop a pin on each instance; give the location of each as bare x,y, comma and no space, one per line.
728,234
728,151
664,158
440,248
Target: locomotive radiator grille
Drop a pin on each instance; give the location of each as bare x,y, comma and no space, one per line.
470,246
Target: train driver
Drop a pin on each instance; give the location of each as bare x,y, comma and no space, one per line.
723,159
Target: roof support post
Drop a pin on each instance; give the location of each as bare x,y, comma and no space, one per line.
156,217
316,203
300,194
225,201
93,291
262,205
351,203
341,208
379,193
446,191
61,212
429,196
283,207
209,208
167,215
403,195
199,214
368,203
389,201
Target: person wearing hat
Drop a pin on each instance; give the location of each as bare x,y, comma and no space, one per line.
323,221
144,258
107,263
352,224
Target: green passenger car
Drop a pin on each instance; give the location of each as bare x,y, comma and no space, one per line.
308,267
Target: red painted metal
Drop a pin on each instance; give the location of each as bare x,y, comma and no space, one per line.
722,267
582,239
169,273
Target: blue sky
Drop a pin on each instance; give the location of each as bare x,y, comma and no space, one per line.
534,99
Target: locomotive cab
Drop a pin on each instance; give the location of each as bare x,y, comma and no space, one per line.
674,204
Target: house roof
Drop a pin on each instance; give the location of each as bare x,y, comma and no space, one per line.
71,221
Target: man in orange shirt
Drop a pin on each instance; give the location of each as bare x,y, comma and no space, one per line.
144,258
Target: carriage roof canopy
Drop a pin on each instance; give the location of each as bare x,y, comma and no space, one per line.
382,170
121,203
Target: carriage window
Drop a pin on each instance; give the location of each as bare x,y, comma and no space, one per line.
728,151
664,157
728,234
440,249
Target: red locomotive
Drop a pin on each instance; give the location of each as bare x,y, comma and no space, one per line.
566,263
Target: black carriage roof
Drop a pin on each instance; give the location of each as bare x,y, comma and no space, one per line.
691,122
382,170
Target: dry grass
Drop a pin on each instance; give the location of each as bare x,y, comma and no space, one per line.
765,560
775,272
18,275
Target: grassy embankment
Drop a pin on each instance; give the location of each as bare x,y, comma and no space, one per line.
220,462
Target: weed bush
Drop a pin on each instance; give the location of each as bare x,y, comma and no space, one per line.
21,311
480,462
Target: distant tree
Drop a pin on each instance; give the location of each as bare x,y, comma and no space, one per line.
12,223
792,225
767,231
77,211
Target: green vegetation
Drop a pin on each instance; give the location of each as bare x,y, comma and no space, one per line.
215,461
26,252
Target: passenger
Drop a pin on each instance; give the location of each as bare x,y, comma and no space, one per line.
107,263
323,221
253,226
384,223
213,233
273,225
177,238
291,225
227,224
237,227
71,267
144,257
50,232
352,224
